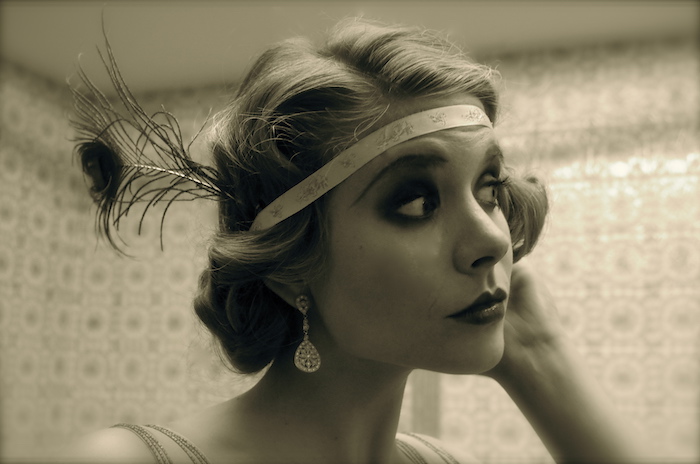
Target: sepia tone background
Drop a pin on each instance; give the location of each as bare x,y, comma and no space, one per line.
89,339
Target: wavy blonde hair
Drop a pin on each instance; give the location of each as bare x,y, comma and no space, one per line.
299,106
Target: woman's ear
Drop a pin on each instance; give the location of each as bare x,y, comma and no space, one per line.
288,292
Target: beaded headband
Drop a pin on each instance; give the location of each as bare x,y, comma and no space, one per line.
348,161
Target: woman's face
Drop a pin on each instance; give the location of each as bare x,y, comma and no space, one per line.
416,237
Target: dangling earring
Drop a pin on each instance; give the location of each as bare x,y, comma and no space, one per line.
306,358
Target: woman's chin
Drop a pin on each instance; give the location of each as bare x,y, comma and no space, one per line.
477,363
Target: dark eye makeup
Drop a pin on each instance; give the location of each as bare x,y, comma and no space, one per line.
412,200
413,193
415,200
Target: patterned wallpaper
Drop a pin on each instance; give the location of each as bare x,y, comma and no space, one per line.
89,339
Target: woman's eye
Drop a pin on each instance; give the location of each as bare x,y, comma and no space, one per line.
419,207
489,192
413,201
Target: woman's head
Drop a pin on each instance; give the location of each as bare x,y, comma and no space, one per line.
302,104
299,106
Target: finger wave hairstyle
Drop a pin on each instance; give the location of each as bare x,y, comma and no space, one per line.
299,106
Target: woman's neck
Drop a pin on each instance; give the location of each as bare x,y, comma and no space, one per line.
346,411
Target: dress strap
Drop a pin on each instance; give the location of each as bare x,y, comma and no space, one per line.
421,451
150,441
157,449
192,452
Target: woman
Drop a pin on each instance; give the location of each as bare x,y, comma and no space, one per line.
367,227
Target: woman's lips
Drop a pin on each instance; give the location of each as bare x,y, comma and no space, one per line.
481,316
486,309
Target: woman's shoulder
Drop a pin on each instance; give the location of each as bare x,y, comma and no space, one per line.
132,444
114,445
433,450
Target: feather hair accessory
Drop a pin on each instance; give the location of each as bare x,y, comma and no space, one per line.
134,158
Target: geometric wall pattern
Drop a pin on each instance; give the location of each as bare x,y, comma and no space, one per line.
89,338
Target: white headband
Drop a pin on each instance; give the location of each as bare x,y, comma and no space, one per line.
347,162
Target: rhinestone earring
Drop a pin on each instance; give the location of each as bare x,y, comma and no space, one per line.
306,357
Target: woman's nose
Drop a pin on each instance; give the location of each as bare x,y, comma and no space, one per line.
483,240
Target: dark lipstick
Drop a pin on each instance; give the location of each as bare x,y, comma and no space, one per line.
486,309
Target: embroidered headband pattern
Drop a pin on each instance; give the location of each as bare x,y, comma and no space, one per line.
347,162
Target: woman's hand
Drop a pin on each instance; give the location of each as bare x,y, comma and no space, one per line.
545,376
532,322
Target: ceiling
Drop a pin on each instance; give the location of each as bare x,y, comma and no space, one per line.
174,44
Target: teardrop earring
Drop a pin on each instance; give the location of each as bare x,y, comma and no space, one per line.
306,357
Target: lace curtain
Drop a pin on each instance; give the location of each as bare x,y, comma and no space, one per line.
88,339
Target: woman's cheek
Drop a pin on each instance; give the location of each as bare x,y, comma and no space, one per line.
402,262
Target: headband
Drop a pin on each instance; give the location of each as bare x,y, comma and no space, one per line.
350,160
156,167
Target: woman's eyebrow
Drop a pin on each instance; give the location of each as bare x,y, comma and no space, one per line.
493,156
416,161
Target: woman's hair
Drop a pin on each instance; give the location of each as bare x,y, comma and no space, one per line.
298,107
